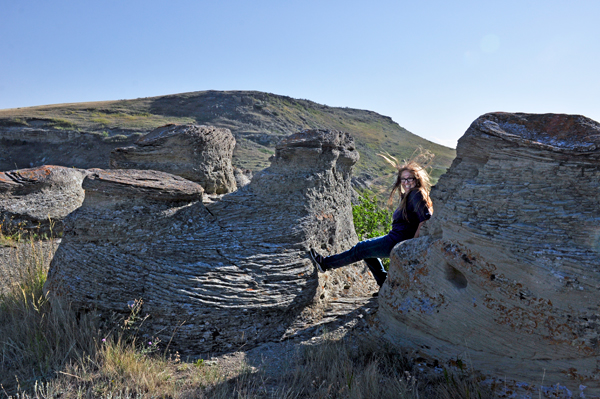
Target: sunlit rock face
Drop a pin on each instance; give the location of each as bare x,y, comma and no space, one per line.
36,200
508,277
196,152
224,275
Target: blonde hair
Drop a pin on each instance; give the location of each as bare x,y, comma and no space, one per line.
415,165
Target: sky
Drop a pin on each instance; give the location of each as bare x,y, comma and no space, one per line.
432,66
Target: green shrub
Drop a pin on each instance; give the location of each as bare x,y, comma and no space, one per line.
100,120
371,217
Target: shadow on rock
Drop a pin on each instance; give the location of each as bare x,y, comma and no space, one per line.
215,277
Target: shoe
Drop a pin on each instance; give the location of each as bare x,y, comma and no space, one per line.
318,259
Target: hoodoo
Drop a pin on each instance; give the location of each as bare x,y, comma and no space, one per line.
218,276
196,152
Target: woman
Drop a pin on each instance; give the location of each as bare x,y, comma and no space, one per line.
415,208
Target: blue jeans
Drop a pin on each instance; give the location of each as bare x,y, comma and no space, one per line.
369,251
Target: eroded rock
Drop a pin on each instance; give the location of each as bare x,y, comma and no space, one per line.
508,278
38,199
234,272
198,153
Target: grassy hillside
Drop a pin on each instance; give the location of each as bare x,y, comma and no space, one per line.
257,120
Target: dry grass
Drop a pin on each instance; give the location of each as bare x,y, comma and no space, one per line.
360,368
34,341
49,351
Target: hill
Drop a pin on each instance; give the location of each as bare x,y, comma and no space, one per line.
257,120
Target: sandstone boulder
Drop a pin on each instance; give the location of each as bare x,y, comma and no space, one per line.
222,275
508,277
38,199
197,153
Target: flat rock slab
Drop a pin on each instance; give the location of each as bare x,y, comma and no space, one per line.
37,200
146,185
507,274
216,277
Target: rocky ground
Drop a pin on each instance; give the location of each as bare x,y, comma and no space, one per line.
275,358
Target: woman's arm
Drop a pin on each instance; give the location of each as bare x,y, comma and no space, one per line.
417,205
419,229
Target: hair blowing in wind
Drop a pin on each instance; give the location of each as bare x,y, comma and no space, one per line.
420,160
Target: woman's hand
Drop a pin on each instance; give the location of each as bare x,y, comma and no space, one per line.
419,229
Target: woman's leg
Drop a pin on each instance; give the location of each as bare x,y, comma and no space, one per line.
379,247
377,269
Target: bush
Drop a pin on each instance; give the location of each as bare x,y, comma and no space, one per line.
371,217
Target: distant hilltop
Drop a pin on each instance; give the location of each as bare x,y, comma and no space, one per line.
83,134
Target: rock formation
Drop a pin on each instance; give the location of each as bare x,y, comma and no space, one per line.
29,147
222,275
38,199
508,277
197,153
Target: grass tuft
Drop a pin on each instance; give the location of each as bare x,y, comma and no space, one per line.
62,124
36,338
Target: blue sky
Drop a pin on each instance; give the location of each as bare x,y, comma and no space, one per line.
433,66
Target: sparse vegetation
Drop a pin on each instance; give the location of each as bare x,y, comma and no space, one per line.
356,367
266,151
47,350
85,117
19,122
117,138
100,120
62,124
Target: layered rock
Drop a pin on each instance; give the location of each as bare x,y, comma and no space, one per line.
38,199
509,276
218,276
29,147
198,153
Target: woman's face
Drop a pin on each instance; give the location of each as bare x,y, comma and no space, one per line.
408,180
